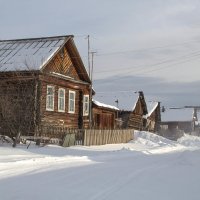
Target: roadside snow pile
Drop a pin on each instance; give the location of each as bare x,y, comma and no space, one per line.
150,143
5,140
151,139
189,140
148,167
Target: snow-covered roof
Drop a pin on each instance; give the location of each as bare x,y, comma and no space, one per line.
62,75
184,114
126,101
28,54
104,105
151,106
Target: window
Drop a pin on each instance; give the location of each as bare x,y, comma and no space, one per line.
50,98
85,105
71,108
61,100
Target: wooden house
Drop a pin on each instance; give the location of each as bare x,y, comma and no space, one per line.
42,81
134,118
104,116
153,118
175,122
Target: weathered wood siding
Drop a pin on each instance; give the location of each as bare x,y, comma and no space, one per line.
153,121
64,70
62,64
102,137
71,120
103,118
134,119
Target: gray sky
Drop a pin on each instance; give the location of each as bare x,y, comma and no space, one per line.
157,39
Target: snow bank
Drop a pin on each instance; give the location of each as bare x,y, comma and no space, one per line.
152,138
149,167
189,140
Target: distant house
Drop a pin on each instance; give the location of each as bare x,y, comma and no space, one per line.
44,81
153,118
104,116
177,121
133,118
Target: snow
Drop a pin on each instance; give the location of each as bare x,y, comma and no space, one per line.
151,106
28,54
149,167
104,105
62,75
127,101
184,114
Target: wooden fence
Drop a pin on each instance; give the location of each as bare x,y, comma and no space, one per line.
101,137
69,137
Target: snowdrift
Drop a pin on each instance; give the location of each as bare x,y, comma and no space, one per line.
149,167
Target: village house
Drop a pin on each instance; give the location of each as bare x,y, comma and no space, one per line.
133,118
176,122
42,81
104,115
153,118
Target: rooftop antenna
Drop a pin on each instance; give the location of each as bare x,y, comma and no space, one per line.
117,102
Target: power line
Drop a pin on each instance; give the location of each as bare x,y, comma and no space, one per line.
140,50
161,63
146,49
153,70
158,63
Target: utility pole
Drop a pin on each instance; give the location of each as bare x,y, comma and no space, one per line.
88,38
91,78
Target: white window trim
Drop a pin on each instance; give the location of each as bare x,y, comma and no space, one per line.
47,108
84,102
61,89
70,91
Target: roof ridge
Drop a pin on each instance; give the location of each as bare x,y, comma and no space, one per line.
38,38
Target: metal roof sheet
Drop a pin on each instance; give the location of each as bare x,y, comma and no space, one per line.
28,54
126,101
177,115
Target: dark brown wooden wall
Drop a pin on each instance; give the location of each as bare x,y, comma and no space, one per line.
62,64
153,120
71,120
136,117
103,118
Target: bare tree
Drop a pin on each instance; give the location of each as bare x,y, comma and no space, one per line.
18,103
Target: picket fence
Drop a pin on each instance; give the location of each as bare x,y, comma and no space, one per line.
70,137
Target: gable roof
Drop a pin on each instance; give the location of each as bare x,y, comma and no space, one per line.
151,106
126,102
103,105
175,115
36,53
29,54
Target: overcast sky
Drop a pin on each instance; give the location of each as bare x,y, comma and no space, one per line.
157,39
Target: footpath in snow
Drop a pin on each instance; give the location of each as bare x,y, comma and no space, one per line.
149,167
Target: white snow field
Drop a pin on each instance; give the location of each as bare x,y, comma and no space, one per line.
149,167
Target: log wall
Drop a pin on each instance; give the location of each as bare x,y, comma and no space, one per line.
71,120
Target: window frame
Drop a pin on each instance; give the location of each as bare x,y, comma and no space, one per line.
47,99
84,104
61,110
69,102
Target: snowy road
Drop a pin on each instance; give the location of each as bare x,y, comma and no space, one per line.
150,167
